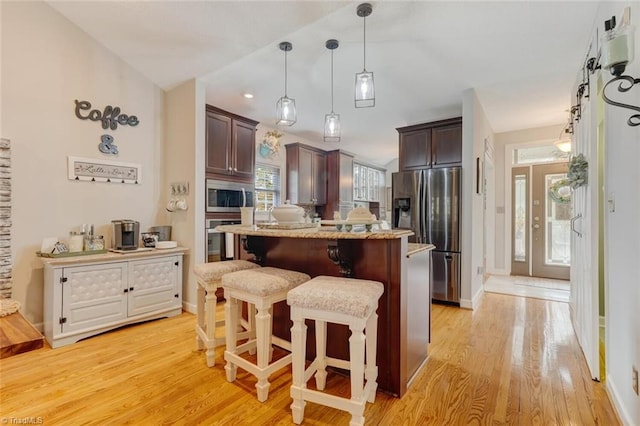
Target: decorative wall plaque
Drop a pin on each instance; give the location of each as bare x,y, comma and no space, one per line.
98,170
110,116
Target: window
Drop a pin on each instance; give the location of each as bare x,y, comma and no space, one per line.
267,191
539,154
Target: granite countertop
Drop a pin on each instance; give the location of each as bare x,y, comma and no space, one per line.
328,233
413,248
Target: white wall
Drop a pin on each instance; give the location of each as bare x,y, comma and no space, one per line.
475,129
47,63
622,232
184,122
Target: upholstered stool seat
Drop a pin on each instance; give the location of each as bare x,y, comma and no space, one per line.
209,277
262,287
348,301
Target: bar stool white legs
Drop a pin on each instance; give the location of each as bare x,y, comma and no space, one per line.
263,288
209,277
342,301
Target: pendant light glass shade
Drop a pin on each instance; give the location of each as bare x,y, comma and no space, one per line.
332,127
286,111
286,114
365,95
332,120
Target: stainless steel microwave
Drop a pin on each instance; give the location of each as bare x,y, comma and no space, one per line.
228,197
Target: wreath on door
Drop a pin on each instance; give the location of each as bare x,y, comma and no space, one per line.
560,191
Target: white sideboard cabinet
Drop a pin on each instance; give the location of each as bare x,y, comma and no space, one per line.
88,295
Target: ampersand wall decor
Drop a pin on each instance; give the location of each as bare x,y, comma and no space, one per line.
107,146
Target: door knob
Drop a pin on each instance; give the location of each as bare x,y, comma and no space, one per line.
535,226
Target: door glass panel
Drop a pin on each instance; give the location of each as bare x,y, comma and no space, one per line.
539,154
558,235
520,218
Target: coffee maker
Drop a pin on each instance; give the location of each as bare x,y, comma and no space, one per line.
125,234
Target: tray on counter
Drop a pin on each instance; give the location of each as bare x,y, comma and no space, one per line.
272,225
70,254
350,222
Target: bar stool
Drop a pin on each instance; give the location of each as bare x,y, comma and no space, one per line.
209,277
263,287
348,301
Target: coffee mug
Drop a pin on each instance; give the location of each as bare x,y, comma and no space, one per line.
181,204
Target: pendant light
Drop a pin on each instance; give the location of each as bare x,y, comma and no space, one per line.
332,120
365,91
286,107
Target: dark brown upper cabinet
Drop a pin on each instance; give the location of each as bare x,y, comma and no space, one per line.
339,184
435,144
306,175
230,145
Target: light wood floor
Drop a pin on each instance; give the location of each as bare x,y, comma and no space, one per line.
513,361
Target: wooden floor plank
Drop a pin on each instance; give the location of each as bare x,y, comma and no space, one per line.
17,335
513,361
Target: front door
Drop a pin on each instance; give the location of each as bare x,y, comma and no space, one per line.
550,222
541,221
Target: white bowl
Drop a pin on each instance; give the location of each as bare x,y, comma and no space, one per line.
166,244
288,213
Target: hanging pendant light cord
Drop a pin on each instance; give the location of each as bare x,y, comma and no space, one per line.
285,73
364,45
331,81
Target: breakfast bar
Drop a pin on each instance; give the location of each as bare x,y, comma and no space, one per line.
379,255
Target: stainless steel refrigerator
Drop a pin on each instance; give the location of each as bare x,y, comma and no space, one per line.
428,202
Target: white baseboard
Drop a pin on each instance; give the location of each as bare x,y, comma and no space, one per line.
498,271
474,302
614,396
189,307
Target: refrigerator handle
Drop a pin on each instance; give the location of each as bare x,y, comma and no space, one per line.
452,292
422,208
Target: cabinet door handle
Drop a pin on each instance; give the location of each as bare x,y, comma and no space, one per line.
176,295
126,290
230,169
130,288
235,169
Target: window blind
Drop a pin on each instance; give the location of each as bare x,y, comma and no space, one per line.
267,187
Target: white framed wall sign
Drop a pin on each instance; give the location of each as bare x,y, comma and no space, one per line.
99,170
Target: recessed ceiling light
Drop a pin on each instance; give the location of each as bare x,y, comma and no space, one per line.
248,95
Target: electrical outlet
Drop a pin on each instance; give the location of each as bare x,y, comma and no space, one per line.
634,379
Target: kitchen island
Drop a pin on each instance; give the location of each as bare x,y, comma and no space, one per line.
384,256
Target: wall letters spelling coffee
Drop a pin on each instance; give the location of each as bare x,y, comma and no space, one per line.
110,116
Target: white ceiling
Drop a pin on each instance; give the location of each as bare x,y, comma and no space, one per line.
521,57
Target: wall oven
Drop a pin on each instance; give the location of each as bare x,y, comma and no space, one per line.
219,244
228,197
